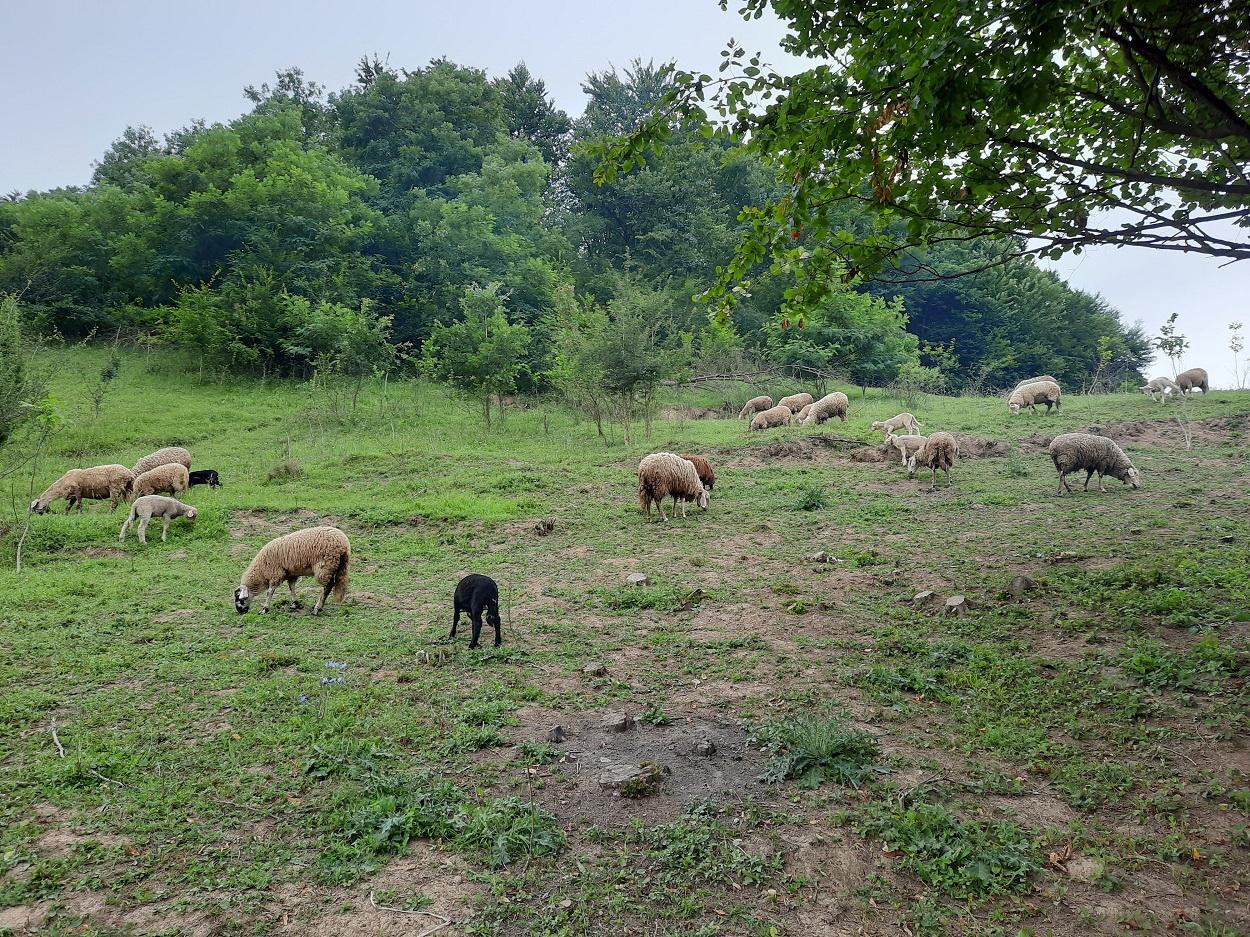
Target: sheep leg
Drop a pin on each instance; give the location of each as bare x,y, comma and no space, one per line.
294,601
325,594
933,481
660,505
165,530
1063,483
948,477
475,615
455,618
1101,487
1089,473
121,537
143,530
269,597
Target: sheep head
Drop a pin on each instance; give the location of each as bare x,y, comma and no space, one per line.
191,512
242,599
1131,477
39,506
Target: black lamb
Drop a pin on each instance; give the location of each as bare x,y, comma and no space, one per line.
475,594
206,477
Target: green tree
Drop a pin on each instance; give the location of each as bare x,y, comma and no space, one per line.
532,116
15,381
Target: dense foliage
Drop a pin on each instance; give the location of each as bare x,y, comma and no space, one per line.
442,217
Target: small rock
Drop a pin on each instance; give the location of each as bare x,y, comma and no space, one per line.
1020,585
638,579
616,720
557,733
1064,556
566,903
820,556
705,747
1083,870
927,597
616,776
595,669
956,605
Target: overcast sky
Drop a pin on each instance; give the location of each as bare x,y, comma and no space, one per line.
77,72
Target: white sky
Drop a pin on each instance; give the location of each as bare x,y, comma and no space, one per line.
77,72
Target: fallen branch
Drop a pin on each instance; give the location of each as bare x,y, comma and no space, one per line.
445,921
55,738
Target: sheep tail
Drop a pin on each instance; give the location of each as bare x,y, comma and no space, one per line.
341,576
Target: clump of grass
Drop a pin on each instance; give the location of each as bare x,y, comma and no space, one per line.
532,754
700,847
815,749
284,471
646,784
660,598
1207,667
811,499
270,661
654,715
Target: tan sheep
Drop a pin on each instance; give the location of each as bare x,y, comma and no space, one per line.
772,417
703,468
1028,395
1040,377
937,452
169,454
1072,452
1163,386
906,446
755,405
895,423
150,506
171,478
665,475
827,407
795,402
802,414
115,482
321,552
1193,379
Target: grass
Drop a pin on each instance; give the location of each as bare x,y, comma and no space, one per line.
221,771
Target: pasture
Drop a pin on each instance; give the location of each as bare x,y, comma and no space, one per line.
1070,759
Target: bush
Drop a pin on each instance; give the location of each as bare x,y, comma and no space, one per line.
812,499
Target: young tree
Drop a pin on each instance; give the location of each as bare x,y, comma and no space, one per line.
351,344
15,381
1236,344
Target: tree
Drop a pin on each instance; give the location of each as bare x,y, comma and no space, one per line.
483,353
1064,122
346,343
532,116
122,163
15,382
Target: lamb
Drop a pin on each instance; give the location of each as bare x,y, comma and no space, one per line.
755,405
1027,395
205,477
937,452
830,405
795,402
663,475
907,446
895,423
802,414
1072,452
1163,386
163,457
115,482
1193,379
321,552
476,594
150,506
171,478
774,416
702,468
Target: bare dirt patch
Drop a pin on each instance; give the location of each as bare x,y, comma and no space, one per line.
1160,434
254,523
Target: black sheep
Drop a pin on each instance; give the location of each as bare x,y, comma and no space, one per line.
475,594
206,477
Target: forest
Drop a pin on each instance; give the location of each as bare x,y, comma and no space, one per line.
444,221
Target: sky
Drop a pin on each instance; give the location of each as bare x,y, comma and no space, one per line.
77,72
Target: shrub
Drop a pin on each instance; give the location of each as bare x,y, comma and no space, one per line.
815,749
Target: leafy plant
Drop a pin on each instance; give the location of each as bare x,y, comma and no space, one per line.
811,499
815,749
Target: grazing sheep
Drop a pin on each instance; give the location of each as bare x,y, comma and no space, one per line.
150,506
895,423
163,457
1028,395
1193,379
802,414
476,594
938,451
830,405
205,477
665,475
1163,386
321,552
170,478
1072,452
703,468
115,482
1040,377
772,417
795,402
755,405
907,446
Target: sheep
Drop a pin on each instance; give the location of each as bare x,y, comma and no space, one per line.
1163,386
163,457
171,478
1193,379
205,477
1072,452
937,452
476,594
907,446
150,506
774,416
321,552
1034,380
662,475
115,482
755,405
1027,395
830,405
795,402
895,423
702,468
802,414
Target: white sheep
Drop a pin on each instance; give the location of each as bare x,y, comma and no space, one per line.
163,457
115,482
1028,395
1193,379
666,475
150,506
1040,377
1163,386
827,407
802,414
772,417
895,423
755,405
795,402
170,478
937,452
321,552
906,446
1072,452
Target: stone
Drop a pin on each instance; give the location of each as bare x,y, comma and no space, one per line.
595,669
616,720
705,747
956,605
927,597
1020,585
618,775
1083,869
638,579
557,733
